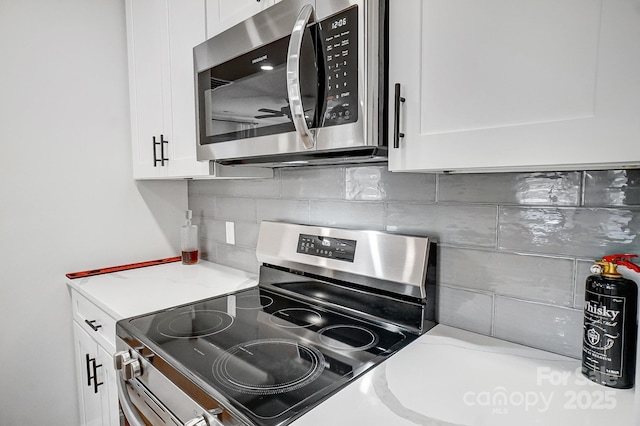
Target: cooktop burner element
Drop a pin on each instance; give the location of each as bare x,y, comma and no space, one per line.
253,302
348,337
285,365
295,318
265,355
191,324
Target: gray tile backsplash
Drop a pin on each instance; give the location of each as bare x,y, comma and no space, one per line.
375,184
515,248
296,211
545,326
612,188
585,232
472,225
232,209
556,189
356,215
313,183
470,310
536,278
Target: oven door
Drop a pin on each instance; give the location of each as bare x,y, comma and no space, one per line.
147,397
277,83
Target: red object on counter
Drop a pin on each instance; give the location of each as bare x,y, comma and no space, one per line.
110,269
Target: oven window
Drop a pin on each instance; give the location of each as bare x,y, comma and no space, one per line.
247,97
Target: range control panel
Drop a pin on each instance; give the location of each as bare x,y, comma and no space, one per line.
340,40
331,248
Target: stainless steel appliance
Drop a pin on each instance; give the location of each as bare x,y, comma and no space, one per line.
330,304
301,82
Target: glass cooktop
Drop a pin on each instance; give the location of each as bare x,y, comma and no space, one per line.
270,355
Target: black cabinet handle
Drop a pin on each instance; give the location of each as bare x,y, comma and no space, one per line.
162,158
162,142
93,375
396,117
89,377
92,325
155,157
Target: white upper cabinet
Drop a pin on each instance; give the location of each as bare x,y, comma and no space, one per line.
223,14
161,36
493,85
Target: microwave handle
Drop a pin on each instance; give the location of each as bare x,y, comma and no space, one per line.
293,76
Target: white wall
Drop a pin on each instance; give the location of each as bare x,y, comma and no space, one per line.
67,200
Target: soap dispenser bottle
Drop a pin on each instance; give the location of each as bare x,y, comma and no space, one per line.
610,324
189,241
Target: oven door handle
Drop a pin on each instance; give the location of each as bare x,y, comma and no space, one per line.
293,76
128,410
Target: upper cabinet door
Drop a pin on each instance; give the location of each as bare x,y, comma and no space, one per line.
501,85
146,38
161,36
223,14
186,29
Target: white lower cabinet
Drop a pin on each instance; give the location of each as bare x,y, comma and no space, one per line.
96,381
494,85
94,337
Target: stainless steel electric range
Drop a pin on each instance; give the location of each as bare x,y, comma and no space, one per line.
330,304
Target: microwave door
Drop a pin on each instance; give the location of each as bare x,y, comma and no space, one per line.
253,106
248,96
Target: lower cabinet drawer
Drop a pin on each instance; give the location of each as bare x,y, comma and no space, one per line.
99,325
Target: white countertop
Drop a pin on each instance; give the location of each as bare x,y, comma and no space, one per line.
446,377
453,377
137,291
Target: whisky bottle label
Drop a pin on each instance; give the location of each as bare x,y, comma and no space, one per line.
604,334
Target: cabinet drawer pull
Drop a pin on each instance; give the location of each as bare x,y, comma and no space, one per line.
92,325
396,117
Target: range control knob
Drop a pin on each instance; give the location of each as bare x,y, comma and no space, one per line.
131,369
120,358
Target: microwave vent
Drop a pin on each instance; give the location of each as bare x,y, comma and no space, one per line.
216,82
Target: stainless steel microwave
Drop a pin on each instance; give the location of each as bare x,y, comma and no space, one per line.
302,82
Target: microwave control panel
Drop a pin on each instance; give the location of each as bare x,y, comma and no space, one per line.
340,42
331,248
